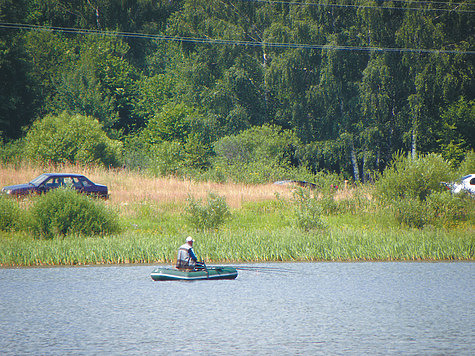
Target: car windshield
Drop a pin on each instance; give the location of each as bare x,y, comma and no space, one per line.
38,180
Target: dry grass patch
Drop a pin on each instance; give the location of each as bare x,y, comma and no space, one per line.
133,187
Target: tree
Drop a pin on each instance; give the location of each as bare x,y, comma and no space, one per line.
70,138
99,84
457,134
376,98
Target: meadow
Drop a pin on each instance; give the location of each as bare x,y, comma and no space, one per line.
264,225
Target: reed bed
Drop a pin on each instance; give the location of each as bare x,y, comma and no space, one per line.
285,244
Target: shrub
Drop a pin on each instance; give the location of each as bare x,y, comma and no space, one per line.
308,210
468,164
411,212
209,216
166,158
439,209
447,209
413,178
9,214
10,152
63,212
257,155
70,139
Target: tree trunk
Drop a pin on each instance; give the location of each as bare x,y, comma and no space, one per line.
364,168
264,65
414,143
354,161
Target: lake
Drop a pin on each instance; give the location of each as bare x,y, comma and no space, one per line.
287,308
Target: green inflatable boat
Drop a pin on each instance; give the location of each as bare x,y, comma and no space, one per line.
173,274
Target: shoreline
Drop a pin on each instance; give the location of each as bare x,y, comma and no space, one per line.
237,263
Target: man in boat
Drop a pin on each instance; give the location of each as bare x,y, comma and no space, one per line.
186,258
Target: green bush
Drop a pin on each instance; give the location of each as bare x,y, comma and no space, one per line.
257,155
308,210
10,152
447,209
209,216
70,139
63,212
468,164
441,209
9,215
413,178
411,212
166,158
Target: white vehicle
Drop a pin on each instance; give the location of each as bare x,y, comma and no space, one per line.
466,183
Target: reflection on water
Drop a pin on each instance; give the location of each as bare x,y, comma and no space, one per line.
302,308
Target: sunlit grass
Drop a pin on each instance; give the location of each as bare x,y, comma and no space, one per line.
130,187
286,244
262,226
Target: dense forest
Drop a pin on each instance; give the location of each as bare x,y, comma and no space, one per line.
225,88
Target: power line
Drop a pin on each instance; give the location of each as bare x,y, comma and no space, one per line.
335,5
202,40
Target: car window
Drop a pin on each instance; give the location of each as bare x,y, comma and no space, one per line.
68,181
85,182
52,183
76,182
72,182
472,181
38,180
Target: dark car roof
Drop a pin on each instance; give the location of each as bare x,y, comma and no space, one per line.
63,174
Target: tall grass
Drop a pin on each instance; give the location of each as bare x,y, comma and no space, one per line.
10,215
130,187
263,226
287,244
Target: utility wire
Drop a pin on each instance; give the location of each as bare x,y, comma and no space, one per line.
17,26
334,5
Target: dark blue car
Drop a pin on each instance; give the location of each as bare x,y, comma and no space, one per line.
48,181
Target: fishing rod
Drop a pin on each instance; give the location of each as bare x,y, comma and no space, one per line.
264,269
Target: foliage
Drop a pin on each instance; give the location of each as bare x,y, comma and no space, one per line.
64,212
308,210
457,131
413,178
71,138
10,214
257,245
411,211
448,209
441,209
260,154
171,123
11,152
468,164
207,216
166,158
349,108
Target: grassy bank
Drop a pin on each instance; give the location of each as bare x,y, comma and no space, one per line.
342,244
152,213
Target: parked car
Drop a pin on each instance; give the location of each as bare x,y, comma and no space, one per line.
300,183
466,183
48,181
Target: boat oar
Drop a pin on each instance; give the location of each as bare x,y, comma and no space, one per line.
206,268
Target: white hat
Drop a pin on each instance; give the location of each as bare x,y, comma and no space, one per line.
189,239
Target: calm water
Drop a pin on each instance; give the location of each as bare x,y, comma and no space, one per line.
309,309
